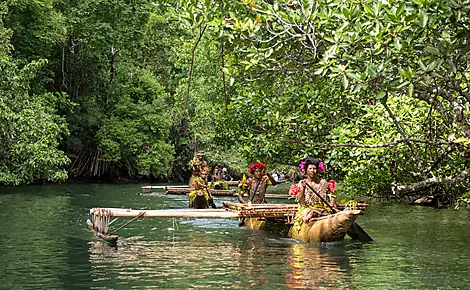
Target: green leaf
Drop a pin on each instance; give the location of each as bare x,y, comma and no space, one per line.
410,90
421,65
384,99
377,7
345,82
452,65
424,16
369,10
380,95
268,53
432,50
398,45
353,76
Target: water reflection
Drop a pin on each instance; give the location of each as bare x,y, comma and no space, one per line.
316,266
257,261
169,264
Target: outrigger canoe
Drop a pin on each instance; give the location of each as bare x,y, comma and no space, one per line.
280,218
331,228
187,190
219,192
150,188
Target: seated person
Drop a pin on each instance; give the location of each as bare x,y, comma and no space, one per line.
201,197
309,191
225,175
217,180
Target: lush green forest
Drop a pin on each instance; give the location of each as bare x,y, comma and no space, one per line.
132,89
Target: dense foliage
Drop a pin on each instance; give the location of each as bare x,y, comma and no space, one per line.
378,89
30,128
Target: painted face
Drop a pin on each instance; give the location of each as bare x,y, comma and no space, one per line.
258,173
200,156
311,170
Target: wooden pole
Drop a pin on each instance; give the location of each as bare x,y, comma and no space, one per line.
169,213
115,231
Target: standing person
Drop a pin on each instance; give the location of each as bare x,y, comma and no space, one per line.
256,186
197,165
310,205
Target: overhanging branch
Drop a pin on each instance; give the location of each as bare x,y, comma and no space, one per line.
425,184
330,145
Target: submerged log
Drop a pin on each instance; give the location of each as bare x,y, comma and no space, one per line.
426,201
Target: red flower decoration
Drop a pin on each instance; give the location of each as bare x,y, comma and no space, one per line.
294,189
331,185
255,166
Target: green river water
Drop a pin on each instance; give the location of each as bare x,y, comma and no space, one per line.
45,244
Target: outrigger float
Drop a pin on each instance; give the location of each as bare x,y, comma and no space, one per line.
184,190
187,190
150,188
276,217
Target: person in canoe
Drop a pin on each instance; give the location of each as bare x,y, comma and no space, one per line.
225,175
308,190
256,186
217,181
201,197
197,164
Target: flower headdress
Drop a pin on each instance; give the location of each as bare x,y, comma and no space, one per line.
256,165
301,165
307,161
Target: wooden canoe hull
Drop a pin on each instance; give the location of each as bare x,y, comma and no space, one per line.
199,202
332,228
232,182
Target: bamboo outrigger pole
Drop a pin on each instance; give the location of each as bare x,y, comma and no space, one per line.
102,216
169,213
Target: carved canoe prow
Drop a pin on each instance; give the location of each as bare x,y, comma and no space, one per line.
330,228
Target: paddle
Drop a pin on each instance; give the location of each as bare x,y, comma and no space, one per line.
355,231
211,199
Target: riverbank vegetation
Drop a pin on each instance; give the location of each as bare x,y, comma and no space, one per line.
99,89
